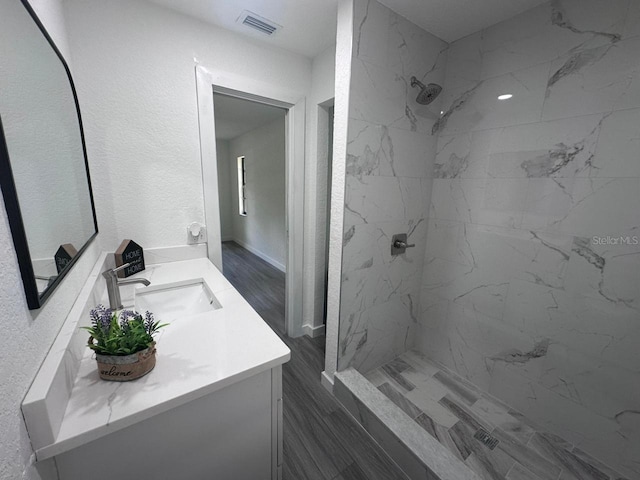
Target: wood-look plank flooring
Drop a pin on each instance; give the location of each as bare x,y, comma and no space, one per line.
321,441
454,411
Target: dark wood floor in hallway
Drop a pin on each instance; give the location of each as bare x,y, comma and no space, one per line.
321,441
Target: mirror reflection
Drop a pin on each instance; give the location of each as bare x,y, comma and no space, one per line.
45,146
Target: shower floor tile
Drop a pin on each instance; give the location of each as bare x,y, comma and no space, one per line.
489,437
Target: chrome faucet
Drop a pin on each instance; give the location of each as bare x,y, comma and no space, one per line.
113,285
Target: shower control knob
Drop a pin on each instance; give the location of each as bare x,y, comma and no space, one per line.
399,244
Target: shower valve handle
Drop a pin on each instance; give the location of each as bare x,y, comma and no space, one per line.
401,244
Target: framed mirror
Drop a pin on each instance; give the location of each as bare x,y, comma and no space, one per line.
44,172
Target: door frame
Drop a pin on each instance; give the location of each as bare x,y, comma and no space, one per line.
209,81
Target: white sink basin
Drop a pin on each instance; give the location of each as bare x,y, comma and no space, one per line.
172,302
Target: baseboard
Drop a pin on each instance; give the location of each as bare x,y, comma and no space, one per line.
262,255
174,254
326,381
313,332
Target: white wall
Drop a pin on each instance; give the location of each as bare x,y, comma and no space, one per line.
224,189
136,89
263,229
27,336
134,63
315,207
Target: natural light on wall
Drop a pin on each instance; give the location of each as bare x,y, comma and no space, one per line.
242,184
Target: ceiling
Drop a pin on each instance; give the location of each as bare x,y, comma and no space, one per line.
235,116
453,19
309,26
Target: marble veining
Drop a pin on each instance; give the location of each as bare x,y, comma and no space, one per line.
525,279
390,157
531,282
559,19
576,62
454,166
458,104
581,247
554,161
516,356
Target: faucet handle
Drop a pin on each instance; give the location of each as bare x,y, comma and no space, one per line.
113,271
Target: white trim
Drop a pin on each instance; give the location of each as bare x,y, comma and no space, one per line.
262,255
311,331
209,162
271,94
295,217
326,381
344,49
174,254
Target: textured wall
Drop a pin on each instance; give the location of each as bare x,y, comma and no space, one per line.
390,152
518,295
27,336
51,13
38,113
136,85
263,229
25,340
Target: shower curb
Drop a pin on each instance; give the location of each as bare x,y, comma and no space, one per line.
417,453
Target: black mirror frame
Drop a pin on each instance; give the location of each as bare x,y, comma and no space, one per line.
12,204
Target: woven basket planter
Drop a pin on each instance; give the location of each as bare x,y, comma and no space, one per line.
124,368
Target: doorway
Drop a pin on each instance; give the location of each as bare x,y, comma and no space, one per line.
251,151
218,84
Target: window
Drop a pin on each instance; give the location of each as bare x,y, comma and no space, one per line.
242,186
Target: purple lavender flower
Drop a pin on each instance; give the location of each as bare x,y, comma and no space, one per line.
149,322
125,317
101,318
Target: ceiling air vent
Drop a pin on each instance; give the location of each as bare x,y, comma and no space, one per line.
258,23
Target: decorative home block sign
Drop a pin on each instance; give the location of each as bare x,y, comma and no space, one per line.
64,255
129,252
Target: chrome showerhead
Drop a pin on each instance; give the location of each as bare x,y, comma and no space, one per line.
428,93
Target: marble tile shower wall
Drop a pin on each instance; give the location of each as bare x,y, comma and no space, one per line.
531,283
390,155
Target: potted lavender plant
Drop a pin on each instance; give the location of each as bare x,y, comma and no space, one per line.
123,342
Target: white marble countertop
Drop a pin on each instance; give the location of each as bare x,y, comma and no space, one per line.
196,356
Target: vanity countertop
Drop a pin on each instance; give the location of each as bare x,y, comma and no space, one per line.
196,356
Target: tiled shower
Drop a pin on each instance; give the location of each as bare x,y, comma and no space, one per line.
525,212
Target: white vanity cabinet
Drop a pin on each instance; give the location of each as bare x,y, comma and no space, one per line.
211,408
232,434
